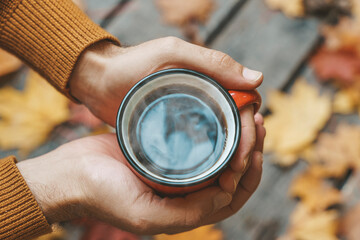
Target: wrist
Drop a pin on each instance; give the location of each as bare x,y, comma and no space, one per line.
86,80
53,183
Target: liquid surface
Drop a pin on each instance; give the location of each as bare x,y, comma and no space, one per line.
178,136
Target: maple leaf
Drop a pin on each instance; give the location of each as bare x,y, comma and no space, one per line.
349,225
341,66
347,100
207,232
314,192
28,116
181,12
344,154
295,121
8,63
308,225
291,8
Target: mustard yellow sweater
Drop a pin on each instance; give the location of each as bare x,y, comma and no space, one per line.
49,35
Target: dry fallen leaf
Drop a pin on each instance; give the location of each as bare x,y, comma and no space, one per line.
8,63
291,8
336,152
347,100
349,225
314,192
27,117
308,225
341,66
295,121
181,12
202,233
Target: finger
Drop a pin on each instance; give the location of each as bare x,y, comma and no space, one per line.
259,119
229,179
182,214
215,64
260,137
247,140
247,186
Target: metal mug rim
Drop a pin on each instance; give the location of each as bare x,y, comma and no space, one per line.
153,76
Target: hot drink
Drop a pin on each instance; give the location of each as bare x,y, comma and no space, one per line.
179,129
176,134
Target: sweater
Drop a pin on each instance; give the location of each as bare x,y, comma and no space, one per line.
49,36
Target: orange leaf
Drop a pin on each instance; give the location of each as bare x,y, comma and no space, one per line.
201,233
27,117
314,192
308,225
181,12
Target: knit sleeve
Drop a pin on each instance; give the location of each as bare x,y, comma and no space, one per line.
20,214
48,35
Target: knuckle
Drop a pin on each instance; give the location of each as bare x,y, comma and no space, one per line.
220,58
170,43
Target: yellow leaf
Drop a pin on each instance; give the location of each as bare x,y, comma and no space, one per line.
201,233
27,117
314,192
295,121
291,8
344,154
181,12
347,100
308,225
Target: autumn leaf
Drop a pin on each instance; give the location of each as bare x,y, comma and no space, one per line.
291,8
314,192
295,121
27,117
336,152
8,63
181,12
308,225
340,66
347,100
202,233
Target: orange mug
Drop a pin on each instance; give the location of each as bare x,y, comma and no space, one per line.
179,129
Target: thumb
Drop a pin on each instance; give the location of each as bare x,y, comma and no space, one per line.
216,64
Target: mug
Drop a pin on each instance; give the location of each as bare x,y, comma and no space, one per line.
179,128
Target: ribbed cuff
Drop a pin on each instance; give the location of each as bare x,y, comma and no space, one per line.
20,214
49,36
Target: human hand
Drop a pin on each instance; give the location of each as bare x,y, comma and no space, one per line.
89,178
105,72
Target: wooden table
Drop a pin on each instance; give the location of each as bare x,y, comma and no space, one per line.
256,37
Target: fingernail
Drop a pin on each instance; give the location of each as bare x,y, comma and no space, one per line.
221,200
251,74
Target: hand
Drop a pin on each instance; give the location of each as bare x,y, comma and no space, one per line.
105,72
89,178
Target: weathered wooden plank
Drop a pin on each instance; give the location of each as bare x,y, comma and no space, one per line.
142,22
268,41
265,216
98,10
